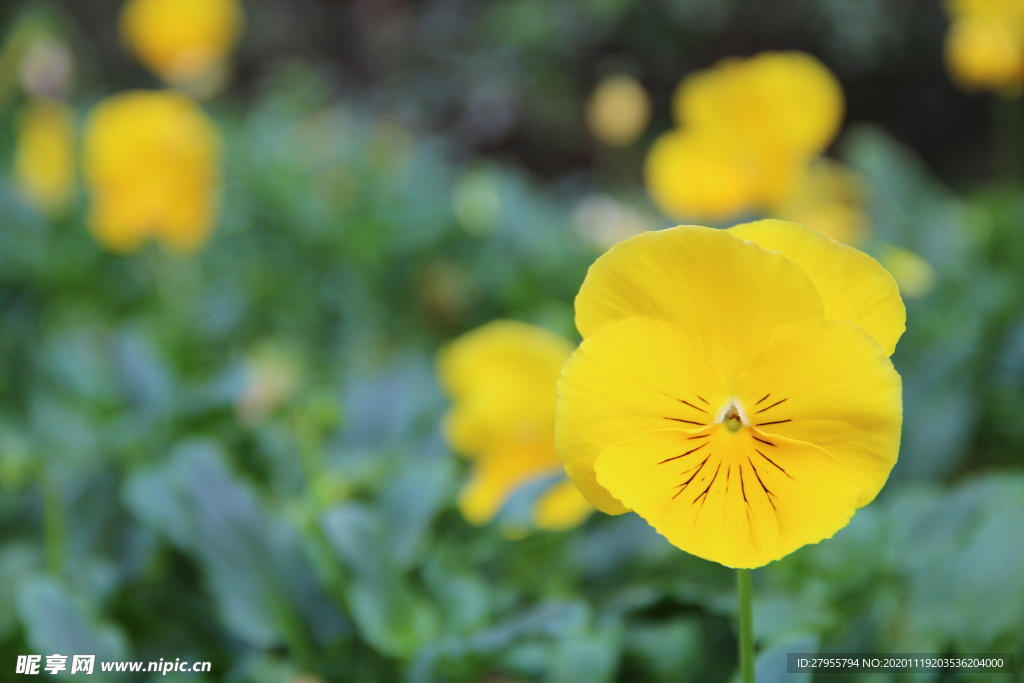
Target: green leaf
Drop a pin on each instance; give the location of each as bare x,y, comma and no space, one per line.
590,656
57,623
252,561
771,665
390,614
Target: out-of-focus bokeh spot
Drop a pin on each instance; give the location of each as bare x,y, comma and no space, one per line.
603,221
831,198
913,274
618,110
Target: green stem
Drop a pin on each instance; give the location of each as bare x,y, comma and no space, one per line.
1008,123
292,629
53,522
745,592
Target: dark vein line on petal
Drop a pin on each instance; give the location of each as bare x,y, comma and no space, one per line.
768,493
771,406
776,422
763,398
683,455
774,463
699,436
682,487
766,443
692,406
689,422
746,503
702,399
703,495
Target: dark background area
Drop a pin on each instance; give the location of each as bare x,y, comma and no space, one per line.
505,78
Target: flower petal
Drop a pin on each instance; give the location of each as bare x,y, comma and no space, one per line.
695,175
633,376
778,98
497,474
725,502
501,378
729,296
830,384
561,507
853,286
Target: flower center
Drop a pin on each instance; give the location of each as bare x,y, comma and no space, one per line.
732,416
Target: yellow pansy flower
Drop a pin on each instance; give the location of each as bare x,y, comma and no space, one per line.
44,156
618,110
985,44
733,387
185,42
152,164
985,55
698,174
786,98
501,378
747,129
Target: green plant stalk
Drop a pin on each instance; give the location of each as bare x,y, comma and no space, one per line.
293,630
745,592
54,533
1008,124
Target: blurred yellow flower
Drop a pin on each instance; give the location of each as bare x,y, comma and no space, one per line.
786,98
913,273
985,55
152,164
699,174
44,155
733,387
985,44
747,129
501,378
830,198
618,110
185,42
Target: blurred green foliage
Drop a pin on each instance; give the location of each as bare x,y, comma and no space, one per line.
148,513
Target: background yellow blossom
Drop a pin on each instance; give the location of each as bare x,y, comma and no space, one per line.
985,44
501,378
152,164
44,161
185,42
747,130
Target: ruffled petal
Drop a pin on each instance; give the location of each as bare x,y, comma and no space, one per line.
853,286
727,295
723,500
828,383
